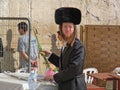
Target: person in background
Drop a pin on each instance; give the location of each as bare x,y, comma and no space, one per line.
23,46
59,35
1,47
71,60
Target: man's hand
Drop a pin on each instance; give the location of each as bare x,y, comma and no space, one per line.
34,63
47,53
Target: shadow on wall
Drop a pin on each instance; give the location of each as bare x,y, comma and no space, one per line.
9,61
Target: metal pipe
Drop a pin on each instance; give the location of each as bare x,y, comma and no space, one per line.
29,22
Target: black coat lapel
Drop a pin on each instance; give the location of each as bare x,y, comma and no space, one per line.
65,49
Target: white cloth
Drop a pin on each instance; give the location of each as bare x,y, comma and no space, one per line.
46,85
11,83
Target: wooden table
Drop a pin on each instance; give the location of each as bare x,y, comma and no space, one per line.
94,87
114,75
118,79
107,76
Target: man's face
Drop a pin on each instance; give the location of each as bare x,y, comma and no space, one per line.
67,29
21,31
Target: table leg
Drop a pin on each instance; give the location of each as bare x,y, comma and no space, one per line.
119,84
95,81
114,84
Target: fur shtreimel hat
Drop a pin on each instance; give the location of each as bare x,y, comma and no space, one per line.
67,14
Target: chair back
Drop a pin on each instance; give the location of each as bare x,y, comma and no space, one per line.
89,79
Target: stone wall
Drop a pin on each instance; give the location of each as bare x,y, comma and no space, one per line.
41,14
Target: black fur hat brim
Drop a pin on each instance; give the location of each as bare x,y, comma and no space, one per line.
67,14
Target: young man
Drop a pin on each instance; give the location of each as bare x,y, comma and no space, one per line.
71,60
23,47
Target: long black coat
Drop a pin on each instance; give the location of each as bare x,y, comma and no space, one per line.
70,63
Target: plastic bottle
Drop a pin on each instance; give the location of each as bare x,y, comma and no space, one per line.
32,80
